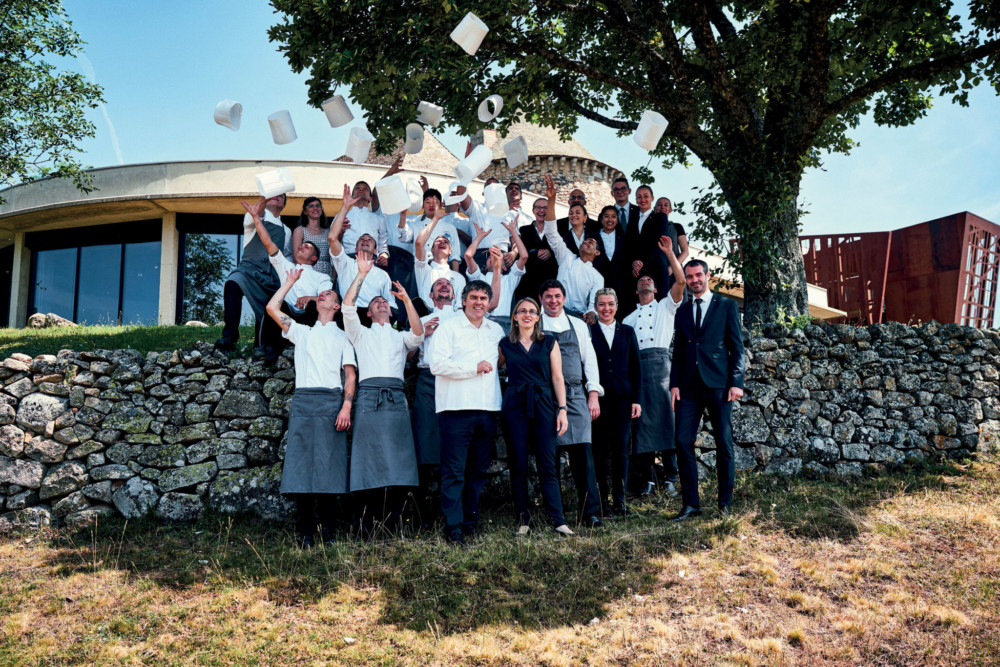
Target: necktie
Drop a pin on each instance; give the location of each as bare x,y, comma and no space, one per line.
621,216
697,316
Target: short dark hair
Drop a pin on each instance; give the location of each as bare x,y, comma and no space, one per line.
315,250
433,193
477,286
513,184
609,207
620,179
324,222
698,262
585,214
361,183
645,187
551,283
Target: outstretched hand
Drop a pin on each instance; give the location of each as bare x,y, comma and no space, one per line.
257,209
349,200
365,262
550,187
400,291
480,232
666,245
292,275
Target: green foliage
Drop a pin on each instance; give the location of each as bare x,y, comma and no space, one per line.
41,109
757,90
206,265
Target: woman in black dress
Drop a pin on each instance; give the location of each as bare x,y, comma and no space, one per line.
534,411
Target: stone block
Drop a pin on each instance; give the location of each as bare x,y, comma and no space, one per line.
135,498
255,490
74,502
179,478
45,450
11,441
111,471
272,427
128,418
246,404
163,456
62,479
180,507
37,410
27,474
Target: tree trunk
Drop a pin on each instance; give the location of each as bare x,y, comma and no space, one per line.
766,219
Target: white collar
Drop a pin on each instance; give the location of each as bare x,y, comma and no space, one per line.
606,326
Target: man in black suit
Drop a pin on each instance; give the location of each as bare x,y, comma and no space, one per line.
642,239
706,374
613,262
617,351
627,213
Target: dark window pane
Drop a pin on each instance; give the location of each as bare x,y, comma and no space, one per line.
100,278
141,286
55,281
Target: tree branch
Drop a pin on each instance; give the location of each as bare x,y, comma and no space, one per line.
568,99
720,20
921,70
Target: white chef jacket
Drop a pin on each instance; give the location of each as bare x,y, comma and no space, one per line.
380,350
654,322
376,284
580,278
426,273
442,314
365,221
320,352
508,283
310,283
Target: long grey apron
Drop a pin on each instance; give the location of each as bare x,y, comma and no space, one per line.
654,430
578,414
382,452
316,454
425,423
255,275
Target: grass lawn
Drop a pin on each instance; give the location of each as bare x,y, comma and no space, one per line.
142,338
900,569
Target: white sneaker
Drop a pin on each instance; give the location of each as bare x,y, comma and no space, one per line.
565,531
523,530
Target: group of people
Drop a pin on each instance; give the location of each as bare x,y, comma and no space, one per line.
576,316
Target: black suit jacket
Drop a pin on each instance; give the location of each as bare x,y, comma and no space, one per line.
621,373
591,230
645,248
715,353
633,215
616,270
536,270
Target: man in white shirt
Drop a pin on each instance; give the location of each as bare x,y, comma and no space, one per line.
366,218
300,301
254,277
315,464
497,234
579,369
577,274
507,283
426,434
464,355
383,458
377,283
427,271
653,323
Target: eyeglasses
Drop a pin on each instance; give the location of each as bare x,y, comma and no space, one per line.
525,311
315,205
622,189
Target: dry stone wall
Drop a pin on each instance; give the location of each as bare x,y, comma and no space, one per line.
84,434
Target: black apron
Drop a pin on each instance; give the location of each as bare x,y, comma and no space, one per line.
654,430
578,414
316,454
382,452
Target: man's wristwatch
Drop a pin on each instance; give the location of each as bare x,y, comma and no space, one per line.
563,407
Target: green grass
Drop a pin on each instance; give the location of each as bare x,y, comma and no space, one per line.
143,338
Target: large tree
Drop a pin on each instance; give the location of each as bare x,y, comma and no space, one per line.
42,109
757,90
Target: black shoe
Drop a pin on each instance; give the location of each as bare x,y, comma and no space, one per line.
328,538
724,512
622,511
456,538
648,491
670,488
687,513
594,521
226,345
305,541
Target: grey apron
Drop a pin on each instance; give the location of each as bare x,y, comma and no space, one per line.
425,422
382,452
255,275
503,322
654,430
316,455
578,414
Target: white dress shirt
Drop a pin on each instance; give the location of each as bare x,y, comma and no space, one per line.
580,278
609,243
442,314
508,283
456,349
250,231
578,240
591,372
445,227
426,273
310,283
365,221
498,234
609,332
380,350
401,237
377,282
320,352
642,219
706,299
654,322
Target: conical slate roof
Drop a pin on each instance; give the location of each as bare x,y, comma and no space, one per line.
541,141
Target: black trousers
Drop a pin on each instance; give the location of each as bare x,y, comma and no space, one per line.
467,441
315,511
232,304
690,409
581,465
644,466
537,434
611,447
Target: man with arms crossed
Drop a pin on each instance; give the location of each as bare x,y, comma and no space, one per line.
706,374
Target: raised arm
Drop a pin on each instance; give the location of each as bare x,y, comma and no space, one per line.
337,226
677,289
416,326
515,237
256,211
559,249
365,263
470,252
419,251
274,305
496,262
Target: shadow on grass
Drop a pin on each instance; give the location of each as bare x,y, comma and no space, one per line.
425,584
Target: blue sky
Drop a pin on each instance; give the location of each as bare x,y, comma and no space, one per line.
164,66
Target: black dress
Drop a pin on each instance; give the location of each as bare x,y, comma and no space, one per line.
528,416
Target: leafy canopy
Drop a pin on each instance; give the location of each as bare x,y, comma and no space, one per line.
41,109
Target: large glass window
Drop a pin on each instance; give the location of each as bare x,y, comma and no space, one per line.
100,283
141,283
55,282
